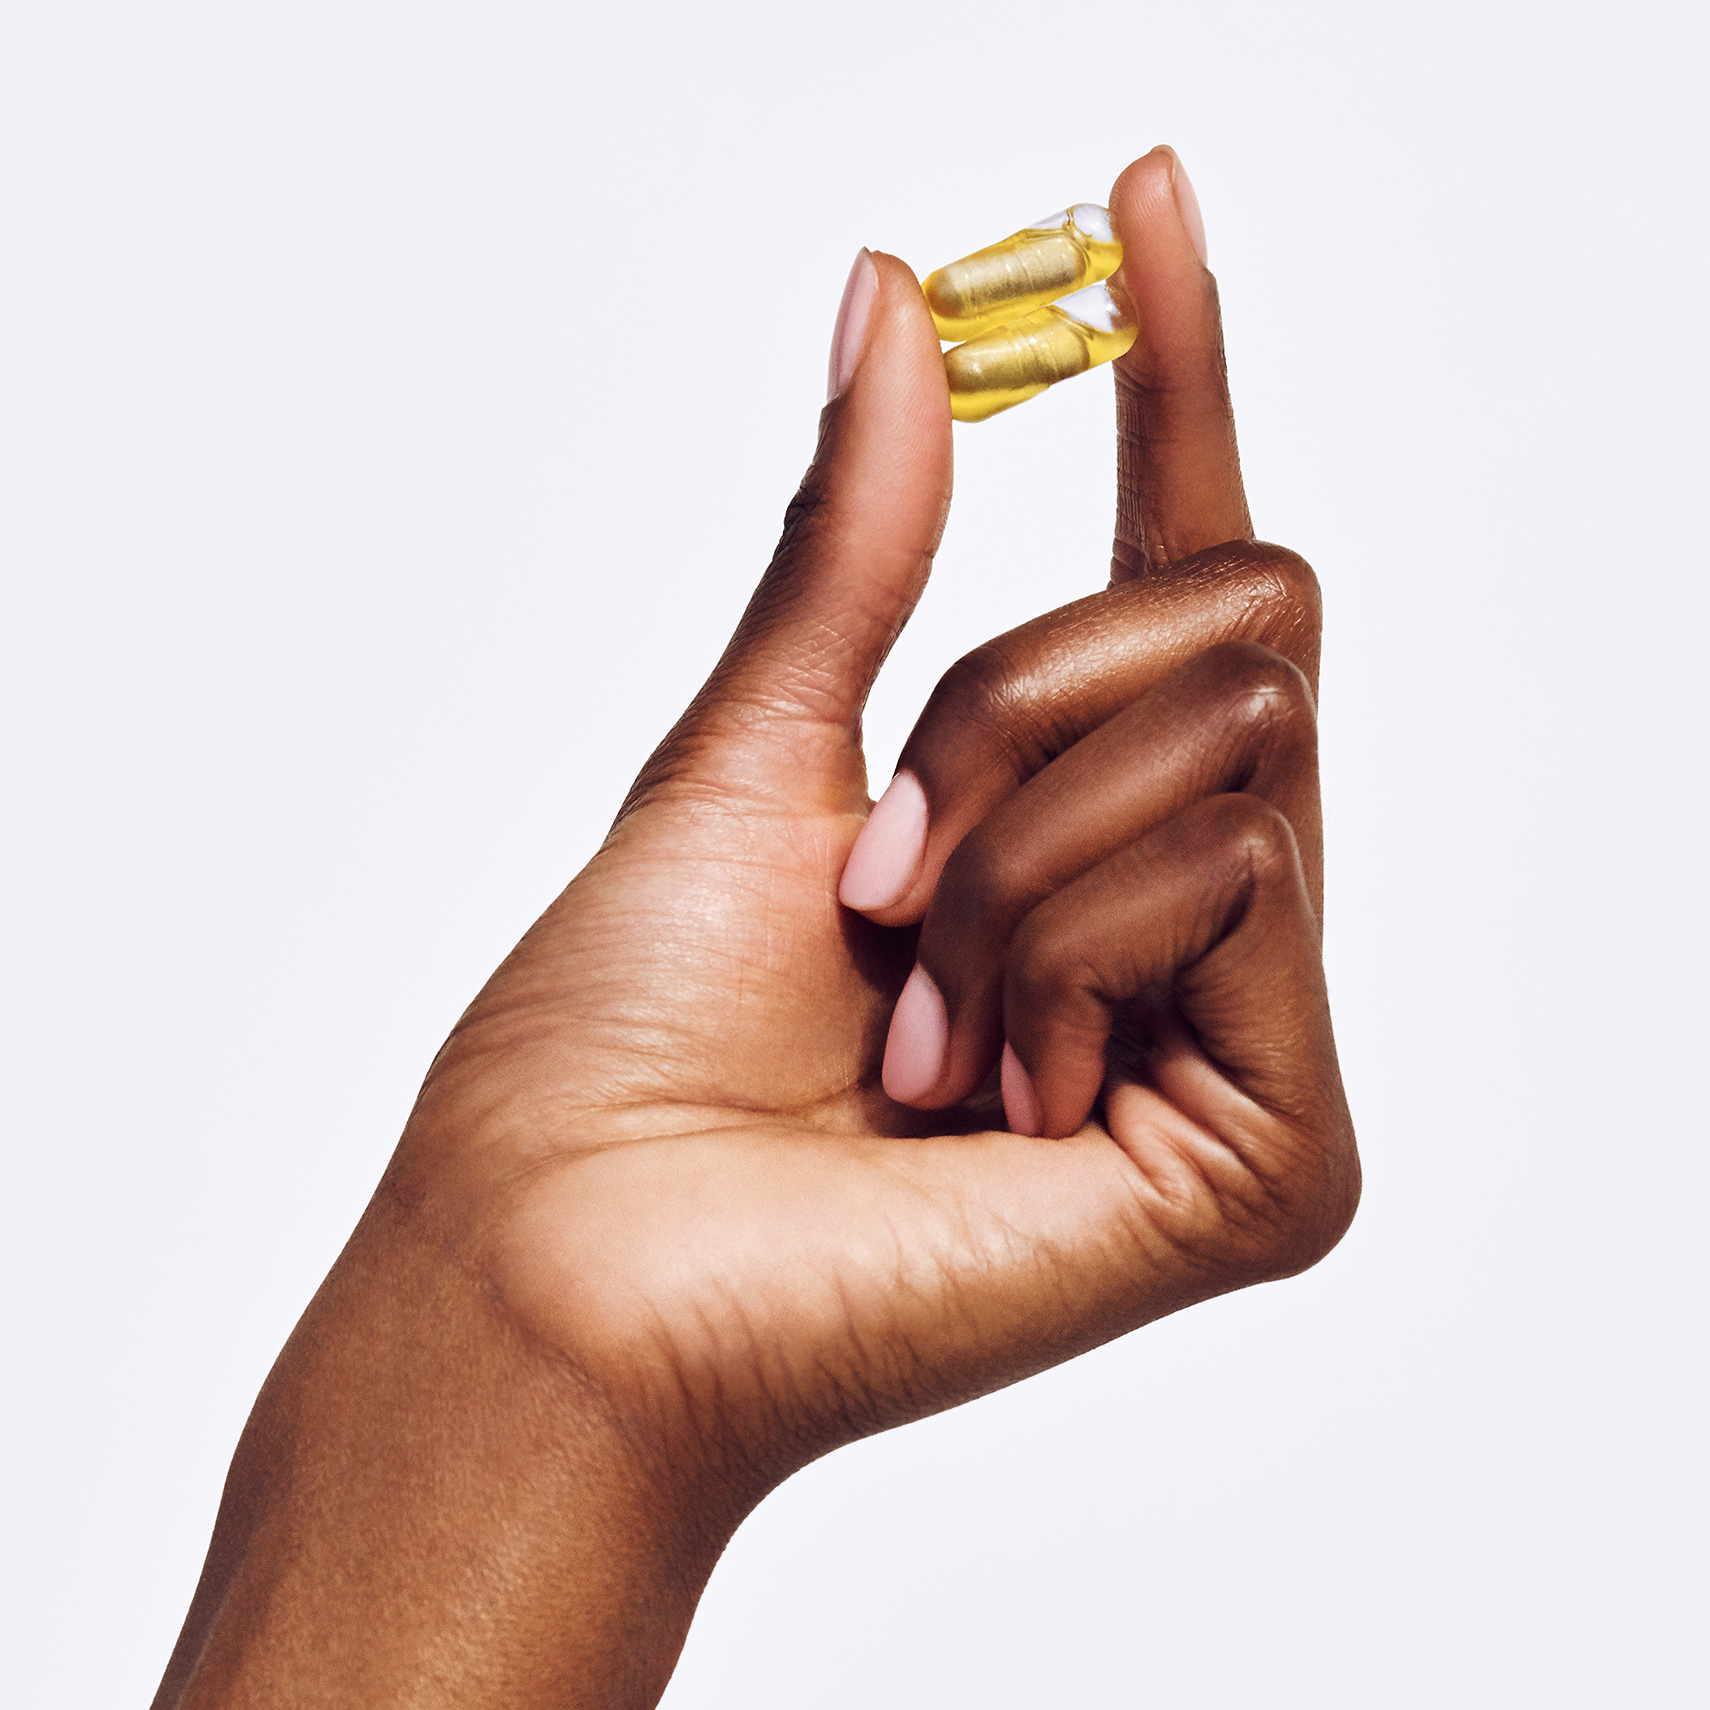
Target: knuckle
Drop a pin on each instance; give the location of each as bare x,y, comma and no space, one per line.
1292,575
1046,962
1284,575
1309,1214
1289,600
1254,833
984,886
1276,594
988,691
1257,1226
1331,1208
1255,685
803,512
976,682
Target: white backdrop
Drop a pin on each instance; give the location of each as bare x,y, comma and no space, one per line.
398,402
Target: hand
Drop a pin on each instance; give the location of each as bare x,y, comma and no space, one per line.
657,1234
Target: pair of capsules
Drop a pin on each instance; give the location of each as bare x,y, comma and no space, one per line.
1029,311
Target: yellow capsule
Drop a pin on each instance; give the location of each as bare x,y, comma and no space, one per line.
1031,267
1024,356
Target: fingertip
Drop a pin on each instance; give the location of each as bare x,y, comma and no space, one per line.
909,318
888,448
1020,1101
913,345
918,1040
1187,206
887,855
849,335
1163,272
1156,211
895,268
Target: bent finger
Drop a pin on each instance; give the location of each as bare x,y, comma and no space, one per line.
1008,709
1205,921
1239,717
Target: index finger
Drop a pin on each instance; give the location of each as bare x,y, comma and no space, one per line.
1178,483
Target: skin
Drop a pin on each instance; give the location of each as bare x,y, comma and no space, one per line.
655,1237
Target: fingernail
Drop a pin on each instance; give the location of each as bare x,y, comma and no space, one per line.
886,856
851,331
1020,1101
1187,205
920,1031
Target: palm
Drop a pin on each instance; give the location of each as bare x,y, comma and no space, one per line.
713,1170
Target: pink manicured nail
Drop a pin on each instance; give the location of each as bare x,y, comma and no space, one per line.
851,330
1020,1101
1187,205
886,856
920,1032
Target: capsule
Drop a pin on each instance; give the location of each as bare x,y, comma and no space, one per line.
1030,268
1004,368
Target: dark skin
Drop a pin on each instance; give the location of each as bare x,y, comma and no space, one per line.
656,1236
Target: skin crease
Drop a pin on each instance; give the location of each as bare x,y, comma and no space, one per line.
655,1237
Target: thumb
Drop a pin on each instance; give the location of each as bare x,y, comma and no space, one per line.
780,716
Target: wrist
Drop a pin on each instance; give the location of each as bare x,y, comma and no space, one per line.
428,1506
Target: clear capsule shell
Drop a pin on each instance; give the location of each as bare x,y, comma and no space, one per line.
1032,267
1003,368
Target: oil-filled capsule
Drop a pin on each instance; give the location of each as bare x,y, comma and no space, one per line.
1023,356
1030,268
